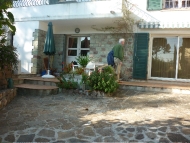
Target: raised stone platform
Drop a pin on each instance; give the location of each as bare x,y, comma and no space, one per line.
157,86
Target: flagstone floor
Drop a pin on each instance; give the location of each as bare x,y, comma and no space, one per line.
128,116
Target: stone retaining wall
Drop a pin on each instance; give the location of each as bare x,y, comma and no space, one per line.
6,96
101,44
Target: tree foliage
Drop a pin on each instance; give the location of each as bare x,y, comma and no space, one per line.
6,20
8,55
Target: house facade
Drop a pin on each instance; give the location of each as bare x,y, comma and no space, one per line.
159,48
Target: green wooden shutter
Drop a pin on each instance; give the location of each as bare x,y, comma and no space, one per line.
140,56
154,4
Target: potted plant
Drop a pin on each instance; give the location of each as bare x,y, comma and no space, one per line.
83,60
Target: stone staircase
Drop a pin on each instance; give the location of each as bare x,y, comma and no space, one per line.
32,84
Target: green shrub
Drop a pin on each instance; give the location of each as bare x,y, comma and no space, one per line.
109,69
103,81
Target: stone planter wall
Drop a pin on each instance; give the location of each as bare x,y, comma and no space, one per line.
101,44
6,96
3,81
5,74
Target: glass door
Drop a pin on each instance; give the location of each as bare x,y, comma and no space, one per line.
170,58
184,58
164,57
77,46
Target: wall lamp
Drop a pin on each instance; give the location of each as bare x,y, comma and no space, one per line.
112,12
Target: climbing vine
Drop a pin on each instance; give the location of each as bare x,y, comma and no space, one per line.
124,25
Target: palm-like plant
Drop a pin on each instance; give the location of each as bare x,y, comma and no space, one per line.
83,60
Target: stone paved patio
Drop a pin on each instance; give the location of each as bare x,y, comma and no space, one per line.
131,116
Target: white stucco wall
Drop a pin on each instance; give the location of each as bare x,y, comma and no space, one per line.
68,11
23,42
167,15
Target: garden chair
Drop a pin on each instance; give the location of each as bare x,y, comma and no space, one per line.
90,67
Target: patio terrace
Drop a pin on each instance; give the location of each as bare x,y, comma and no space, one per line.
128,116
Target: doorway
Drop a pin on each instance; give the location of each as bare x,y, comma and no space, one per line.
77,46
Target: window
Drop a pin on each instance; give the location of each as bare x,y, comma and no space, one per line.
77,46
170,57
185,3
177,3
167,4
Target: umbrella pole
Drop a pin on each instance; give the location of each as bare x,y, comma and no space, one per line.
48,65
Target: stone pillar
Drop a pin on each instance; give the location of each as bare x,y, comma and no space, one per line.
37,52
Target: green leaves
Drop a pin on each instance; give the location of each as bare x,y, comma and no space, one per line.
6,17
83,60
9,57
66,84
103,81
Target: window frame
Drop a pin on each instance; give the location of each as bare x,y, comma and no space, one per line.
150,56
179,6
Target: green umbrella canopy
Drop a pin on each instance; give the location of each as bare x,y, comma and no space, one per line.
49,47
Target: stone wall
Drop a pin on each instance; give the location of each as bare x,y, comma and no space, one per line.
101,44
37,52
38,55
60,51
7,96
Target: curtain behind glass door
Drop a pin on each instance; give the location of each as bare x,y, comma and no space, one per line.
164,51
184,58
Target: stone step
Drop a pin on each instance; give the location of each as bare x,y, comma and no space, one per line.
39,90
18,81
22,75
41,81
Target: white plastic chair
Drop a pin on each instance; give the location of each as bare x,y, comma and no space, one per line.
90,67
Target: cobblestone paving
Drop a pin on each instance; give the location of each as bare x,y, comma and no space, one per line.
129,116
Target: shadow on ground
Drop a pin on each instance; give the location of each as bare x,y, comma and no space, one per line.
130,116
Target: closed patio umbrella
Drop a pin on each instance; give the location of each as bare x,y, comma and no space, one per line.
49,47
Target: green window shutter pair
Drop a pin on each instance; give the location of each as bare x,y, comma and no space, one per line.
154,4
140,56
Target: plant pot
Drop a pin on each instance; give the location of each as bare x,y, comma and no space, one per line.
10,83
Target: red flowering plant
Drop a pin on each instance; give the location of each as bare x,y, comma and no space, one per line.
67,68
67,83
